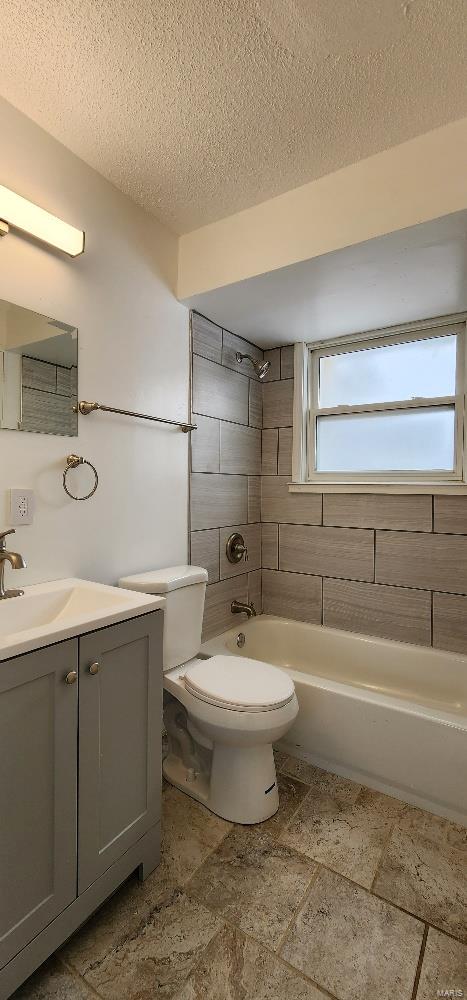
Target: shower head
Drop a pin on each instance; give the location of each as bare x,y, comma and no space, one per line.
261,367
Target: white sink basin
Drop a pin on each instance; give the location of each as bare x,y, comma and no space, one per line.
50,612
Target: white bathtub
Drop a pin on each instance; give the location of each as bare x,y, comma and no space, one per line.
384,713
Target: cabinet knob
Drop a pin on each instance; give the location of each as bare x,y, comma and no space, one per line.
94,668
71,677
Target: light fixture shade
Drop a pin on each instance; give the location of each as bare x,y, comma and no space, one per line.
19,213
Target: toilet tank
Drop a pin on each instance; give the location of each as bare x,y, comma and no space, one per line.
184,589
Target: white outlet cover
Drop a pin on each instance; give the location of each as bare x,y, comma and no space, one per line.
21,507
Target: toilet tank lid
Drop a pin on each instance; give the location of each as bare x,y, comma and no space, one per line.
162,581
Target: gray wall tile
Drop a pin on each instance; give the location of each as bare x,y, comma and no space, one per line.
450,622
274,356
278,504
287,362
389,612
430,562
240,449
205,551
230,345
65,381
255,404
285,451
219,596
38,375
254,590
290,595
48,413
269,450
254,499
207,338
252,535
360,510
205,445
219,392
270,546
451,514
278,404
338,552
217,500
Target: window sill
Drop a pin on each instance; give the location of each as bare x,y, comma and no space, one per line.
447,489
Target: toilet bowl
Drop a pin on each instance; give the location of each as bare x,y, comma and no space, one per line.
222,714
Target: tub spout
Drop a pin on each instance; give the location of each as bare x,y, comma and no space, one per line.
239,608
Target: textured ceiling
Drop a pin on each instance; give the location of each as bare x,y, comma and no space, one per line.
200,108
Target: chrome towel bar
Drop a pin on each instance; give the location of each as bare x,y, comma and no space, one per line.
86,408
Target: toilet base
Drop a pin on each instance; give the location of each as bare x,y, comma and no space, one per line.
241,787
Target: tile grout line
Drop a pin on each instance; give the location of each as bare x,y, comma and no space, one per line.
77,976
301,905
421,957
385,846
267,948
283,961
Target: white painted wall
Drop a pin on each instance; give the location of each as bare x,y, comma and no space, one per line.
405,185
133,353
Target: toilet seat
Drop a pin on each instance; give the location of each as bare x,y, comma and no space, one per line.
239,684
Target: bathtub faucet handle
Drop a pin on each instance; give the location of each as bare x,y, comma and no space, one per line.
236,548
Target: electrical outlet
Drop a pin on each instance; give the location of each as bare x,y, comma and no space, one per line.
21,507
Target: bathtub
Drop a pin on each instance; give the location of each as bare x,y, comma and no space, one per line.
386,714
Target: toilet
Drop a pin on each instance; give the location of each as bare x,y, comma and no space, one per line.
223,713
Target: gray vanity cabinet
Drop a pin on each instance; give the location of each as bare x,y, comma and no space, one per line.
80,783
120,719
38,778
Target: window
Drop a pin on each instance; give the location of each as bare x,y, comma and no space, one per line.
384,409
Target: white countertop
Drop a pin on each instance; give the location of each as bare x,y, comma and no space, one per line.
61,609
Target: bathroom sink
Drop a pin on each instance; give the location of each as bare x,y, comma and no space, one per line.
50,612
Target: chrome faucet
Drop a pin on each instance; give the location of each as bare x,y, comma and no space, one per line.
16,562
238,608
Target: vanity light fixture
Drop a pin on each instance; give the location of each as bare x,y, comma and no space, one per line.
19,213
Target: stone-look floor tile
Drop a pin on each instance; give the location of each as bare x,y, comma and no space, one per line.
280,758
116,921
322,782
234,967
352,943
423,870
444,967
53,982
436,828
158,957
291,794
189,833
347,837
254,882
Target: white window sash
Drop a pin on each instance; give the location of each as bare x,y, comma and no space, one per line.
306,413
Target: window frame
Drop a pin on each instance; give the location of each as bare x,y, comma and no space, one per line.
306,412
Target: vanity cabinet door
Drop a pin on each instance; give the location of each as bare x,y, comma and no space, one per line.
120,723
38,771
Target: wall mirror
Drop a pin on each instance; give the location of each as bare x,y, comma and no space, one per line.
38,372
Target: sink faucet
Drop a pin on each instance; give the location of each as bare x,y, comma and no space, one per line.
238,608
16,562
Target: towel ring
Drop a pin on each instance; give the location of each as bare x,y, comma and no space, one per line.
72,462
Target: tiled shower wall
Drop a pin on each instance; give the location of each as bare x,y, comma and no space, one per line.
385,565
48,392
225,469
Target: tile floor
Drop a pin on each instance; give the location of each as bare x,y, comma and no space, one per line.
345,893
